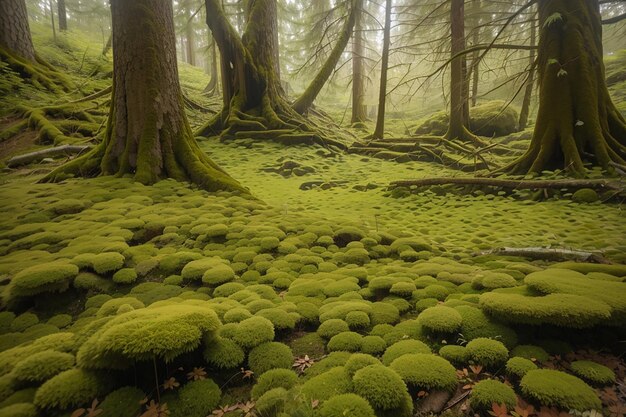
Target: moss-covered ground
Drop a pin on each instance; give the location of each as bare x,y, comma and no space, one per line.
321,294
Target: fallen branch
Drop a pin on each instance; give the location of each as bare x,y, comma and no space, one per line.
64,150
596,184
549,254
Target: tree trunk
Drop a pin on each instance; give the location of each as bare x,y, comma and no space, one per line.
190,37
379,131
528,92
475,64
62,15
576,119
54,29
305,101
459,111
358,84
14,31
148,135
211,87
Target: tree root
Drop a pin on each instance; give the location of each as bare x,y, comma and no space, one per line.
64,150
39,73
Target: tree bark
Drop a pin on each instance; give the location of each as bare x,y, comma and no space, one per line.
14,31
190,37
475,54
305,101
379,131
358,81
576,119
211,87
530,82
147,135
62,15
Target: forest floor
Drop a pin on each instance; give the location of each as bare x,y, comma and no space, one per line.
321,238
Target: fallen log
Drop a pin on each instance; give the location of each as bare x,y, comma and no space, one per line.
64,150
596,184
549,254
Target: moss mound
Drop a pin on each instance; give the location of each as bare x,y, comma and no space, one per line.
196,399
345,341
49,277
531,352
382,387
223,353
42,366
122,402
71,388
346,405
593,372
558,389
454,353
333,382
404,347
518,367
253,331
488,392
270,355
440,319
332,327
423,371
274,378
358,361
487,352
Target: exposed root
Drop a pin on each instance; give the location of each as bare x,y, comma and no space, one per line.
40,74
64,150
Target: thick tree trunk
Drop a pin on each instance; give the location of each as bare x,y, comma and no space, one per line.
305,101
62,15
14,31
530,82
358,81
379,131
148,135
576,119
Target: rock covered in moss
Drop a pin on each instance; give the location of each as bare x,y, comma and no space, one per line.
585,195
593,372
346,405
373,345
424,371
558,389
125,276
488,392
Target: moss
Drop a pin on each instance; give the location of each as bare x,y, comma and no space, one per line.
380,386
218,274
346,405
518,366
49,277
357,320
71,388
6,318
592,372
60,320
272,402
122,402
111,307
106,262
253,331
228,289
19,410
268,356
404,347
488,392
476,324
281,319
309,312
425,303
236,315
332,327
23,322
196,399
585,195
345,341
91,281
586,267
557,389
97,301
223,353
384,313
163,331
333,382
530,352
42,366
125,276
493,280
454,353
373,345
173,263
403,289
423,371
274,378
358,361
487,352
7,387
22,396
563,310
440,319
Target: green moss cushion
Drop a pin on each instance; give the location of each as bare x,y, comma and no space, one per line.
477,324
42,366
327,384
346,341
253,331
196,399
531,352
274,378
268,356
346,405
404,347
373,345
71,388
518,366
487,352
122,402
50,277
440,319
358,361
454,353
424,371
382,387
332,327
488,392
272,402
223,353
19,410
593,372
165,331
558,389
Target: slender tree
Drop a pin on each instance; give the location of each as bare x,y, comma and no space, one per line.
358,78
379,131
15,35
530,82
212,86
576,119
190,36
62,12
148,135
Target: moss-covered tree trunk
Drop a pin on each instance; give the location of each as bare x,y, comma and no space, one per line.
254,103
358,79
379,130
530,82
459,110
576,120
148,135
14,31
475,61
62,12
